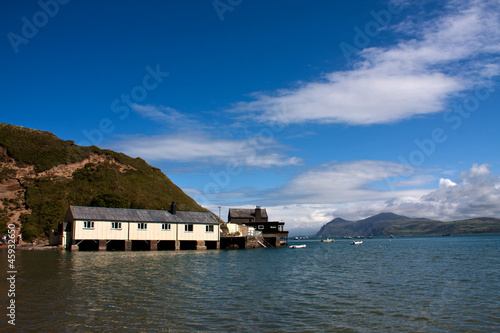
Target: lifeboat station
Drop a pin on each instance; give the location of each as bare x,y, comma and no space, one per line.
98,228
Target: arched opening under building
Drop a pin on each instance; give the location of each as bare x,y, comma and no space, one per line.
232,242
166,245
188,245
211,245
115,245
88,245
140,245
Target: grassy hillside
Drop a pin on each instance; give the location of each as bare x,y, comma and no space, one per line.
386,224
115,180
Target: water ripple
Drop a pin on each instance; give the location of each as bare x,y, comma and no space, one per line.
414,284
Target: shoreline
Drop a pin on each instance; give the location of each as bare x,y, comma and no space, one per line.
34,247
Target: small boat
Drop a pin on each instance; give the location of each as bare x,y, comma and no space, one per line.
298,246
356,242
327,240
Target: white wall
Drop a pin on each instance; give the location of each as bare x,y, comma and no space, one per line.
130,231
102,230
153,232
199,233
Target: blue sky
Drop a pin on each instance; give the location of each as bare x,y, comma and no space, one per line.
311,109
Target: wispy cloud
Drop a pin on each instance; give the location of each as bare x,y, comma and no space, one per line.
166,115
199,147
438,59
340,183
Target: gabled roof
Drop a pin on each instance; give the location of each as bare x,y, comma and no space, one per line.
138,215
246,213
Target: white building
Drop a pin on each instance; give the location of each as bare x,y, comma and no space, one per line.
97,228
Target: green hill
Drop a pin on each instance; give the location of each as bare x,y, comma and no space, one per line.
386,224
41,175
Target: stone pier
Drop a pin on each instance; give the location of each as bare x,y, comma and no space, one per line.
200,245
101,244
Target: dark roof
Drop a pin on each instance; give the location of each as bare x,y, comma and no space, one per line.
246,213
197,217
138,215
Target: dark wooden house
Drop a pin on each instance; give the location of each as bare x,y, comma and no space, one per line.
272,231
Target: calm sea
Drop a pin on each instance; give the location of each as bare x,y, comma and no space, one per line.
441,284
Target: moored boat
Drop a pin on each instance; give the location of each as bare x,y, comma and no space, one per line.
356,242
298,246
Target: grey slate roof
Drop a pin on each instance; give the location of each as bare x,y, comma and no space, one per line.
138,215
245,213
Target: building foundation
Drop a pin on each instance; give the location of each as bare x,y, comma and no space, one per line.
200,245
101,244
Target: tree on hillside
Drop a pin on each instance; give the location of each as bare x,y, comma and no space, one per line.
110,200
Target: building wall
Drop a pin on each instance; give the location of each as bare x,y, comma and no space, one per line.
153,231
199,233
102,230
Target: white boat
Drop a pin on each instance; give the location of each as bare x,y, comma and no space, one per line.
327,240
356,242
298,246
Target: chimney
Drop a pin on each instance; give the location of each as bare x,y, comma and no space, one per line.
173,208
258,214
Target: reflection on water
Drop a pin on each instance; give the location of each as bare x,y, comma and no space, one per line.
411,284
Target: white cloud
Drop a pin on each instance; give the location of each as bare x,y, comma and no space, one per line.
444,182
343,190
476,193
339,183
299,218
439,59
199,147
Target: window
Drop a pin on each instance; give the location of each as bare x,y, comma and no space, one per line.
165,226
260,227
88,225
188,227
142,226
209,228
116,225
273,227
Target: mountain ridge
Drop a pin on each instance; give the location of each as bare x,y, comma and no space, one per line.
387,223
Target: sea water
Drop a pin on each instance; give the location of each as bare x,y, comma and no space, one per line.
440,284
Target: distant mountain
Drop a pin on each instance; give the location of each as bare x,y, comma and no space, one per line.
386,224
41,175
334,227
